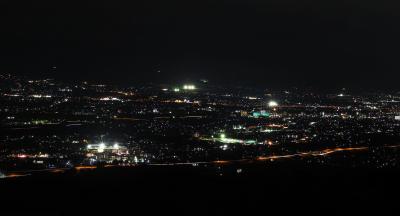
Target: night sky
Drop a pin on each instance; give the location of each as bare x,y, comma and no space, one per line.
264,43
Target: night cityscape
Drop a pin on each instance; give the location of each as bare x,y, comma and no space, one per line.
54,126
200,107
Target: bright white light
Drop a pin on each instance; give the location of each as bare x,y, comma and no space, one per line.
101,148
116,146
176,89
189,87
110,99
272,104
252,98
223,136
89,146
41,96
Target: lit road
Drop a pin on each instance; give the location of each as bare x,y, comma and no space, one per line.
324,152
29,172
318,153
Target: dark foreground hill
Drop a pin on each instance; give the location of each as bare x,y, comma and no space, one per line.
184,190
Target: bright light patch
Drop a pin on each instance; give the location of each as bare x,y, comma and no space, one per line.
110,99
272,104
189,87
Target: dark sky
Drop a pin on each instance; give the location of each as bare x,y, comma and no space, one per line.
264,43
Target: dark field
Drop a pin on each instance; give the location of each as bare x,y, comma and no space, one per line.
206,190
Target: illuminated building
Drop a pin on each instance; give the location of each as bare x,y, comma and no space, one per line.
244,113
107,153
256,114
261,113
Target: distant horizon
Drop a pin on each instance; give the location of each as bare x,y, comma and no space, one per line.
328,44
274,87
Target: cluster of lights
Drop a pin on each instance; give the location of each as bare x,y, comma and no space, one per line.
12,95
40,155
41,96
102,146
110,99
224,147
224,139
252,98
189,87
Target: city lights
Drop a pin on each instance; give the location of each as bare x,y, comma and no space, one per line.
110,99
148,122
41,96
